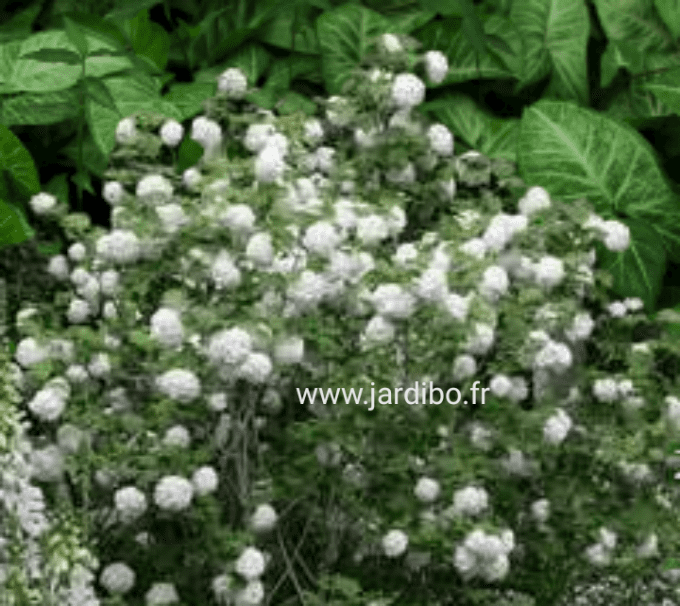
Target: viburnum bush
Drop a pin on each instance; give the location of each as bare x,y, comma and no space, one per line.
352,251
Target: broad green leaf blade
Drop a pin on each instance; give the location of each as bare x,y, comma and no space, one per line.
189,97
616,55
633,21
128,11
265,98
189,153
252,59
40,108
93,159
17,161
577,152
295,102
666,88
148,39
76,36
556,31
282,72
346,36
407,21
82,179
279,31
14,229
472,27
449,8
98,92
58,187
639,270
670,13
19,26
54,55
96,27
9,53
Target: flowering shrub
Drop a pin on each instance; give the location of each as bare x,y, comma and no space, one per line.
163,379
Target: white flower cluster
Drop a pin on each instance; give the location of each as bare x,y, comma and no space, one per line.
208,133
171,133
394,543
43,203
167,328
49,403
427,490
233,82
173,493
470,500
600,553
615,235
485,555
179,384
557,427
126,131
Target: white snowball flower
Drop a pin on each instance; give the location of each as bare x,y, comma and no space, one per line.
191,177
217,402
406,253
549,271
130,503
481,341
58,267
289,350
260,249
617,309
76,373
239,218
108,282
541,510
269,164
120,246
264,518
496,569
126,131
432,285
204,480
598,555
279,141
229,347
118,578
179,384
470,500
372,229
161,594
251,595
309,289
427,490
553,355
250,564
606,390
70,438
396,220
256,368
224,272
324,157
634,304
557,427
407,91
581,328
440,139
177,437
171,133
394,543
313,131
534,200
392,301
607,538
495,282
48,404
29,352
617,235
500,385
173,493
650,547
257,135
206,132
43,203
464,367
166,327
475,247
99,366
78,311
233,82
172,217
154,188
321,238
436,66
378,331
391,43
113,192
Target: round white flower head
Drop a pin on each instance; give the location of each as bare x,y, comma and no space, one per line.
130,503
541,510
43,203
58,267
427,490
239,218
378,331
396,220
206,132
224,272
257,136
464,367
436,66
405,254
177,437
606,390
233,82
76,373
324,157
171,133
269,165
109,310
161,594
392,301
534,200
280,142
126,131
557,427
290,350
217,402
250,564
47,464
495,282
598,555
475,247
70,438
394,543
172,217
260,249
372,229
432,285
48,404
607,538
221,586
113,192
251,595
256,368
617,309
391,43
118,578
553,355
179,384
321,238
191,177
29,352
481,341
581,327
407,91
264,518
173,493
120,246
500,385
79,276
99,366
229,347
441,140
166,327
308,290
617,235
313,131
204,480
78,311
154,188
108,282
470,500
634,303
457,306
549,272
496,569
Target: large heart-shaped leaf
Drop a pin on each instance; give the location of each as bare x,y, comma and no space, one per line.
639,270
346,35
633,21
555,31
577,152
666,87
619,54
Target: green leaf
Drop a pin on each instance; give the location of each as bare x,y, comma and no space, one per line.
639,270
472,27
40,108
16,159
405,22
149,40
577,152
448,8
666,88
58,187
96,27
128,11
189,153
9,53
76,36
346,36
189,97
616,55
82,179
279,32
556,34
670,13
14,229
282,72
19,26
54,55
632,21
93,159
265,98
98,92
295,102
252,59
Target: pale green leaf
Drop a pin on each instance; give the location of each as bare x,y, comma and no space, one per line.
670,13
633,21
40,108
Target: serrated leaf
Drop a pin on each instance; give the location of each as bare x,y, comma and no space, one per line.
14,229
76,36
40,108
98,92
54,55
639,270
346,36
576,152
189,97
670,13
17,161
555,33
